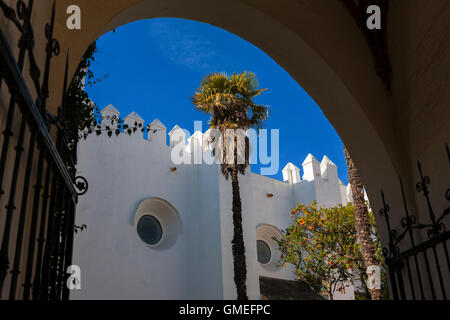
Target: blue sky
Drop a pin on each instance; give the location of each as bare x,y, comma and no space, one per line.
154,67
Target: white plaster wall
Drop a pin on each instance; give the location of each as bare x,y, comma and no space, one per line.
343,191
123,171
304,191
115,263
328,192
274,211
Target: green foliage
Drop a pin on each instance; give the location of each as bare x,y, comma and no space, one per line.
80,112
229,101
79,228
82,115
323,247
120,128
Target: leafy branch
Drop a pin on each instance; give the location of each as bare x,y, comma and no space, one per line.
117,127
79,228
323,247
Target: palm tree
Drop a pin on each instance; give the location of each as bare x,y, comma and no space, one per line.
229,101
362,220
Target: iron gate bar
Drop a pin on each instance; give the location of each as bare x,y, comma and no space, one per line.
34,220
446,255
422,186
401,284
420,248
16,80
46,262
411,284
11,15
52,49
436,232
438,267
409,221
8,133
10,207
41,238
393,282
65,230
55,241
50,256
69,250
430,277
23,210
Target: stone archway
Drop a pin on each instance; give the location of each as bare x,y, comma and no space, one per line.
320,45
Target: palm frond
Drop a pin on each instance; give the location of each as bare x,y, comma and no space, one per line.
229,99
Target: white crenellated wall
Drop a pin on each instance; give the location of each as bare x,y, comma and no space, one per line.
126,172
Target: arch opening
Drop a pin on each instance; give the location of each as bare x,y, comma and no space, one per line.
339,105
360,117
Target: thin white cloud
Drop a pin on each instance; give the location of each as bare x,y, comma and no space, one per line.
184,46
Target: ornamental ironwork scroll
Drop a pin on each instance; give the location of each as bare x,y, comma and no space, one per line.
45,224
437,235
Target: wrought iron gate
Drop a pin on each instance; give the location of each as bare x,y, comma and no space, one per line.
36,247
422,265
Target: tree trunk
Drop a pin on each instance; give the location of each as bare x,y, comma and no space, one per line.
363,228
330,293
238,247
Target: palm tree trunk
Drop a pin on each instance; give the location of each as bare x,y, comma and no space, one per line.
363,228
238,247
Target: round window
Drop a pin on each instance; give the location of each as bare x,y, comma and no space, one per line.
149,229
264,253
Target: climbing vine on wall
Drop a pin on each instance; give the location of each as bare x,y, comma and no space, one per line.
82,114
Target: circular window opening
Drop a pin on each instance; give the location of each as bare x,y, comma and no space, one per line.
149,229
264,253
